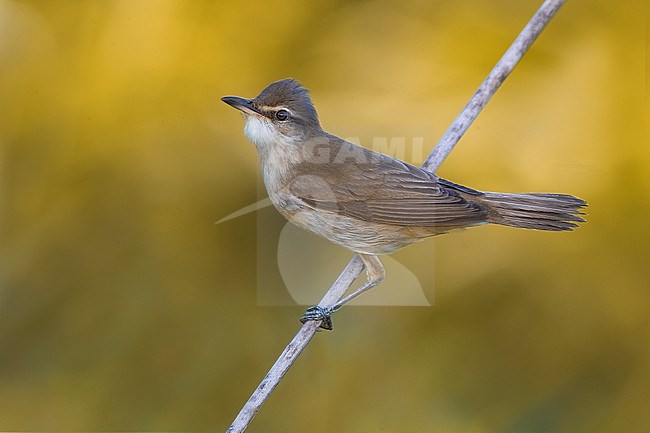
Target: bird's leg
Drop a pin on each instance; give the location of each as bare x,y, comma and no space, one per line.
375,274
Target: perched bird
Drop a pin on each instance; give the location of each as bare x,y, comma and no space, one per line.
367,202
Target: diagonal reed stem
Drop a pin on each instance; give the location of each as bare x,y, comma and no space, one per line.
444,147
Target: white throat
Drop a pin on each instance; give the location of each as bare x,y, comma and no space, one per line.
262,133
277,152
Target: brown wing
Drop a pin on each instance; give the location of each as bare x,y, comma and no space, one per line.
372,187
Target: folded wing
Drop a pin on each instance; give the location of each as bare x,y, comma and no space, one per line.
379,189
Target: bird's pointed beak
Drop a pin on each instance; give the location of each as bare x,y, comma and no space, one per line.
244,105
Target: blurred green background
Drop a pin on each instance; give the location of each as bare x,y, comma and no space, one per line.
123,307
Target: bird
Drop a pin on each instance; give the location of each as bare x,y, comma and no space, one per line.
367,202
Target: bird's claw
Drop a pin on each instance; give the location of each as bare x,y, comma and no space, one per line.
318,313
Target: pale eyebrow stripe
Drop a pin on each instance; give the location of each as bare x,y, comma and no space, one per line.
269,108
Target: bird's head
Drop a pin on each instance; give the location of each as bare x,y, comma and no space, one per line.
281,114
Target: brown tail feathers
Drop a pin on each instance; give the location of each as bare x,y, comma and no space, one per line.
554,212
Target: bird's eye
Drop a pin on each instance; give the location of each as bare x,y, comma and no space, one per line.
282,115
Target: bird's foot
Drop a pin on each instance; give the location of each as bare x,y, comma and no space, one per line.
318,313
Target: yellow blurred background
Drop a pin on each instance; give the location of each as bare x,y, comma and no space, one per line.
124,308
